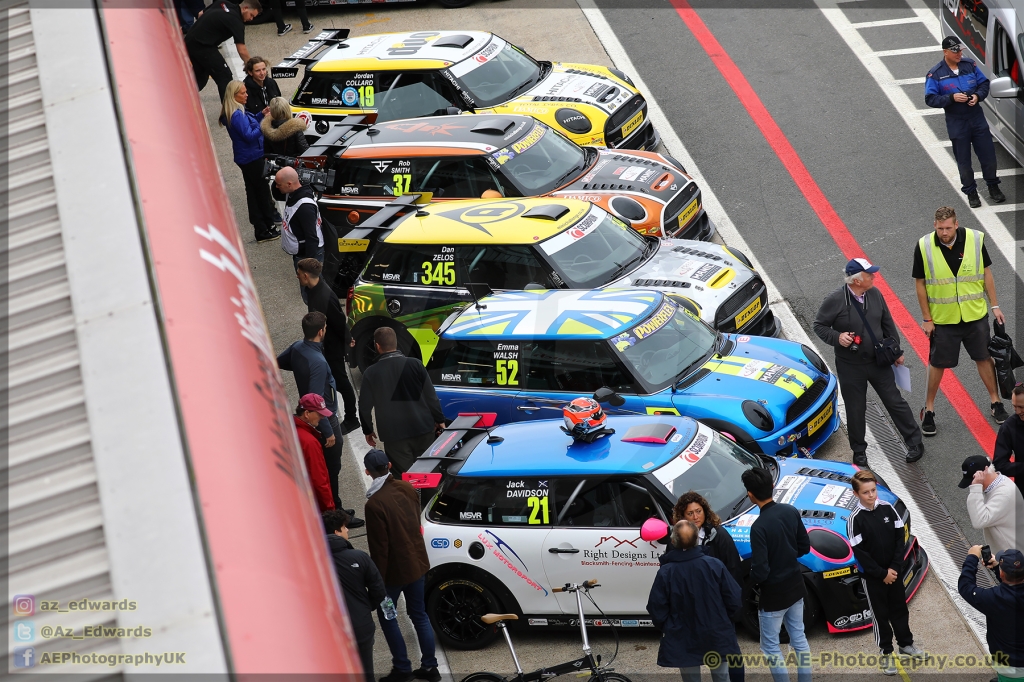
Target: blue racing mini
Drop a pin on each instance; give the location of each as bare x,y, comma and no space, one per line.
523,355
523,508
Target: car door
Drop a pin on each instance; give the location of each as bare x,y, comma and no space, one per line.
596,535
1009,111
473,376
556,372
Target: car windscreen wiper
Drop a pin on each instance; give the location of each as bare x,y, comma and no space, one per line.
569,173
522,86
739,506
696,363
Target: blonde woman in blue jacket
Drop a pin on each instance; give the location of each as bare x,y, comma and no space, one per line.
247,147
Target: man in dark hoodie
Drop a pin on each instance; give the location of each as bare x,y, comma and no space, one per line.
1010,441
692,603
361,585
260,86
840,323
1003,606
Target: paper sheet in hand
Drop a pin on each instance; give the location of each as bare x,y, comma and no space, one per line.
902,373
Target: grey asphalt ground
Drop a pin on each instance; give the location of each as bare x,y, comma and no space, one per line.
882,184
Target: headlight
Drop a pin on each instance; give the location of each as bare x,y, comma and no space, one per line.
622,76
758,415
740,256
814,359
829,545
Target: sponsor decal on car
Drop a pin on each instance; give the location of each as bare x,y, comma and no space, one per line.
592,174
498,547
471,516
457,544
412,44
631,173
665,313
424,127
537,621
838,573
439,543
789,488
829,495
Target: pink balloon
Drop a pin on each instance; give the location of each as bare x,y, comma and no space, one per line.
653,530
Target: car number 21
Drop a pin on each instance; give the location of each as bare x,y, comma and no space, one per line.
538,510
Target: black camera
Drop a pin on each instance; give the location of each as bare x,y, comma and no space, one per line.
316,178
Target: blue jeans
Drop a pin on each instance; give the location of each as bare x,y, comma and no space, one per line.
771,625
719,674
418,615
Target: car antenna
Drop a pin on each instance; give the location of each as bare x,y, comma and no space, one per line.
478,290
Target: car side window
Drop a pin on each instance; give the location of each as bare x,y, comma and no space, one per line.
473,364
489,179
341,89
394,263
602,503
1006,62
503,267
578,366
499,501
415,94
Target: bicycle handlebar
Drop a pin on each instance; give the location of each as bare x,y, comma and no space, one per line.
572,587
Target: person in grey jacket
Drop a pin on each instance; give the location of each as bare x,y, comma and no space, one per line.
840,325
398,392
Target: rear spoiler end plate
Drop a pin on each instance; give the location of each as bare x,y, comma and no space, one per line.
454,444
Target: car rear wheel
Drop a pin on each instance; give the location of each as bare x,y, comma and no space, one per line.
364,352
455,607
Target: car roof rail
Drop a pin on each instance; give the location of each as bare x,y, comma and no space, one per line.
309,53
455,444
333,140
387,218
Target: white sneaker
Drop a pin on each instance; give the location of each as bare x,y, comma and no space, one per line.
911,651
887,663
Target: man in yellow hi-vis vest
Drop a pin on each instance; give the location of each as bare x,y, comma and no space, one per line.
953,273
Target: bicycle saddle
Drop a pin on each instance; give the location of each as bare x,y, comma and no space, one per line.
495,617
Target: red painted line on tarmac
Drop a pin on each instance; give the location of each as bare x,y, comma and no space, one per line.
957,395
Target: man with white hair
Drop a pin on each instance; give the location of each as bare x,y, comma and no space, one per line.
852,319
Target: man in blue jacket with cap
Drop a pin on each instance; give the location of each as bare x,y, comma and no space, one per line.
957,85
1003,606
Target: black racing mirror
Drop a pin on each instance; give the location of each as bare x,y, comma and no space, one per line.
607,395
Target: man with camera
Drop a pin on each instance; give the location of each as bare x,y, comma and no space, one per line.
1003,606
993,502
301,236
856,321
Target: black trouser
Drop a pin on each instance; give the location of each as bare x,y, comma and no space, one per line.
853,381
366,656
257,197
404,452
888,604
332,457
277,5
207,63
344,386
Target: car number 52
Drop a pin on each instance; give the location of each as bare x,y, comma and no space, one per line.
507,371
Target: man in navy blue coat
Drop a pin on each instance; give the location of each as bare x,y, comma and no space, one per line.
958,86
692,602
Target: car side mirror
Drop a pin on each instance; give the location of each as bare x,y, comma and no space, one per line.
1003,87
607,395
653,530
454,111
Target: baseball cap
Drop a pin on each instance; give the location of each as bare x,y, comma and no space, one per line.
951,43
860,265
314,403
375,459
971,466
1012,562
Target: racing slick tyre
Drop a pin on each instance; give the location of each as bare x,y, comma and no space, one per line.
751,623
483,677
364,353
454,4
455,607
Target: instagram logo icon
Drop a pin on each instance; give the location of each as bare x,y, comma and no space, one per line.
24,605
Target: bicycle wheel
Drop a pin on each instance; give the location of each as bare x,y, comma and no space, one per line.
609,677
483,677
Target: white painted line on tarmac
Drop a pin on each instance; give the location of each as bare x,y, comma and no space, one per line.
1006,208
919,80
903,50
929,112
945,570
887,22
908,108
1001,172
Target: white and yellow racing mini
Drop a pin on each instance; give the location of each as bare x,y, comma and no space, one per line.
391,76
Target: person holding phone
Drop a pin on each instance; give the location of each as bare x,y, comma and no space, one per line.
1003,606
994,504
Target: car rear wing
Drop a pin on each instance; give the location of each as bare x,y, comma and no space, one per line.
307,54
384,220
453,446
330,142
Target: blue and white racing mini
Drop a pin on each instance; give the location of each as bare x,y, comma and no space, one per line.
523,355
522,508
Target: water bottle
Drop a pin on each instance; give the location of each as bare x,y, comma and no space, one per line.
388,607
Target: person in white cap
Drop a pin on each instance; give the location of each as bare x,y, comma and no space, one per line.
852,319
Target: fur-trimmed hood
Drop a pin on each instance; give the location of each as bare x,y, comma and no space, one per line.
282,131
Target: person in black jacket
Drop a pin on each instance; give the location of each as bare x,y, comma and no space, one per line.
878,539
714,539
283,134
693,601
361,585
397,391
321,298
840,325
301,236
1003,606
1010,441
777,540
260,86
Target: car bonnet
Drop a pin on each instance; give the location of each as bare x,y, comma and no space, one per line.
584,83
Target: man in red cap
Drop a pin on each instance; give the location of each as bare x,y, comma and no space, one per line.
307,416
852,319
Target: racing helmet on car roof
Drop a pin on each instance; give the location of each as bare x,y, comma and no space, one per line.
583,416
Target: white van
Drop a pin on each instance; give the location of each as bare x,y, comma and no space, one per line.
992,35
